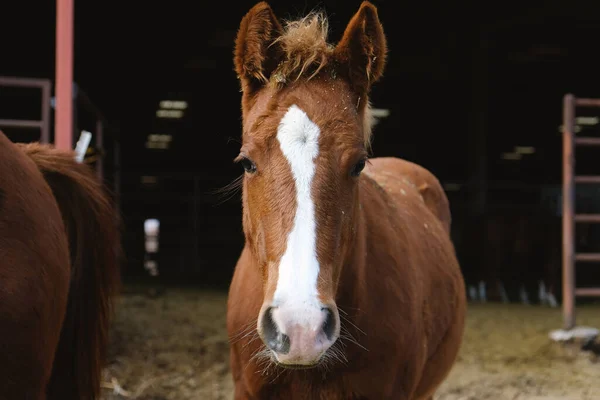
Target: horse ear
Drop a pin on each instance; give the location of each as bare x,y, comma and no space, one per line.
255,56
363,48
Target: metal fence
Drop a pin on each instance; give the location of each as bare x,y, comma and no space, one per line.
43,124
570,218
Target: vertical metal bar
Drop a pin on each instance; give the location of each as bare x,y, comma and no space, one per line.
568,224
63,128
46,98
100,149
195,235
478,190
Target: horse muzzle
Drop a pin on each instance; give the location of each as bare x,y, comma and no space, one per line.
299,337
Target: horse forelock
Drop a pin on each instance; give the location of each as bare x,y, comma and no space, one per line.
306,54
304,47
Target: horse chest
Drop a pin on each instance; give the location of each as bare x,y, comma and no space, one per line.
374,383
303,387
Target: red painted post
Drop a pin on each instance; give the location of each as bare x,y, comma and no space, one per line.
63,116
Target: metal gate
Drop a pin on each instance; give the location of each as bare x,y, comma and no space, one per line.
42,124
570,257
95,122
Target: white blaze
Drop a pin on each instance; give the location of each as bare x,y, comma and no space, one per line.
296,287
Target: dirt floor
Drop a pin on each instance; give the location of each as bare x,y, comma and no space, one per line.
175,347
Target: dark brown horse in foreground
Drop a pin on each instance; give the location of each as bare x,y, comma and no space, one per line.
348,285
58,271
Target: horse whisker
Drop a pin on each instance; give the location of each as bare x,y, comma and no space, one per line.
228,191
243,332
344,315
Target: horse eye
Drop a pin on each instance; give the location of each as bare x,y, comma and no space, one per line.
248,165
357,169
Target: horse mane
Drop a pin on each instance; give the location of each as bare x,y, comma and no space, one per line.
304,48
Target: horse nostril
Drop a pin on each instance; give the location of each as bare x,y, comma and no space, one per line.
329,326
275,340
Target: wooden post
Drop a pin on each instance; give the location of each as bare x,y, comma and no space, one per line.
63,117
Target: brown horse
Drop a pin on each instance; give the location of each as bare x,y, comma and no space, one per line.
58,271
348,286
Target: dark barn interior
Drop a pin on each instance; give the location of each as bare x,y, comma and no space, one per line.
474,93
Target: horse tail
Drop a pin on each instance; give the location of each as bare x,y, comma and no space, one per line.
94,241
